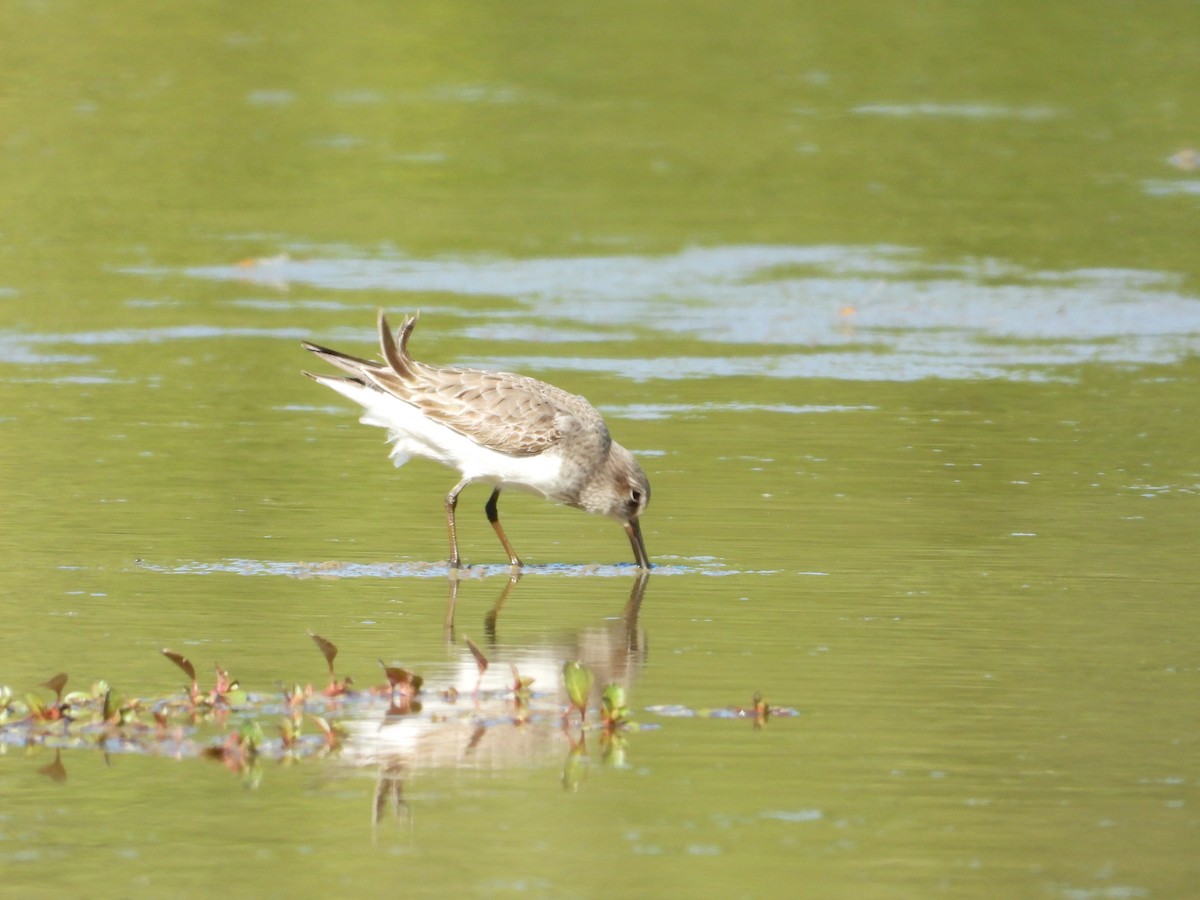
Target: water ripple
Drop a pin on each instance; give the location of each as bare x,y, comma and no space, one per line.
417,569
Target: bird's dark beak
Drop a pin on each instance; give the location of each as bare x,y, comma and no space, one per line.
634,530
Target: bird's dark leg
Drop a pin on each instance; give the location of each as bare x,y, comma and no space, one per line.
451,503
489,621
493,515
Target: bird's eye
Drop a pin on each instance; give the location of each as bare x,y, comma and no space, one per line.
636,495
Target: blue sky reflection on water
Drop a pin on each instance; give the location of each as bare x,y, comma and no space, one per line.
845,313
853,313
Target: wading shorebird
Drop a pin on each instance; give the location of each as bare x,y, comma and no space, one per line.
509,431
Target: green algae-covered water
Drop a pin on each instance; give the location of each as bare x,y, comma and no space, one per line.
897,305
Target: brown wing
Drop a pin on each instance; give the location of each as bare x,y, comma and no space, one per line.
507,413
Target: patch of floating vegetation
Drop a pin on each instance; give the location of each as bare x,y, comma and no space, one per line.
389,726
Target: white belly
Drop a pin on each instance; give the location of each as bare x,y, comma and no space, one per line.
412,434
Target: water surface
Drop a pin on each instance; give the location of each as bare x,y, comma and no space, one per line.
898,307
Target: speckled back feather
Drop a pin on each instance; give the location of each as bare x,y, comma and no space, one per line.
512,414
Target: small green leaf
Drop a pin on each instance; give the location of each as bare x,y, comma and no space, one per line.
575,769
251,734
578,679
613,749
612,703
112,707
521,685
289,731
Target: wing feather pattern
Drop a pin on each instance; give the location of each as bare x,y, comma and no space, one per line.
512,414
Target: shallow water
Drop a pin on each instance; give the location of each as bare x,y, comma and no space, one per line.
903,332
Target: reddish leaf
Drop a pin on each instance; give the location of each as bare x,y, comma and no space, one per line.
520,682
182,661
402,678
328,649
55,771
296,695
762,710
224,683
333,734
480,660
56,684
39,711
338,687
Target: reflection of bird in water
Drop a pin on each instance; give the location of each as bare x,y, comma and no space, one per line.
474,723
500,429
389,793
614,651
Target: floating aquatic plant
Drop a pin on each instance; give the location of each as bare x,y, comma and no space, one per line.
613,711
481,662
578,679
337,686
225,722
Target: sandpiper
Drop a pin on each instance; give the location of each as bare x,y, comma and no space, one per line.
509,431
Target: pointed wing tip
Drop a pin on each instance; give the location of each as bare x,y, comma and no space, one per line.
405,325
396,356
